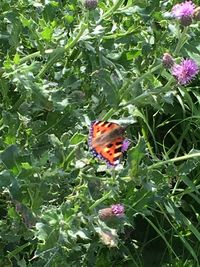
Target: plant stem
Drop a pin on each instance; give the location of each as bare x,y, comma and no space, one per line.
111,10
182,39
28,57
99,201
56,55
173,160
76,39
157,67
145,94
58,52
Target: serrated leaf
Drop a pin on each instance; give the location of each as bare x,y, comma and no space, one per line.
47,33
16,59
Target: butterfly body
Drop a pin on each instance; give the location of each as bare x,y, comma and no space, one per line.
106,140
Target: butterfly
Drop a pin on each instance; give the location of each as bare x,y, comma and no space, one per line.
106,141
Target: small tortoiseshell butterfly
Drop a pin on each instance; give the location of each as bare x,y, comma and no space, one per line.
106,141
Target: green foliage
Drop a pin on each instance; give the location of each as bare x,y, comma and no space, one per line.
63,66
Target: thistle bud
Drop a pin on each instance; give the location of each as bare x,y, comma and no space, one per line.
105,214
116,210
167,61
186,21
91,4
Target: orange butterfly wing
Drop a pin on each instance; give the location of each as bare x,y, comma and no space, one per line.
110,149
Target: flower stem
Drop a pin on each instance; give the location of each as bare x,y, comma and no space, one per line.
160,163
157,67
181,40
111,10
99,201
145,94
76,39
56,55
30,56
58,52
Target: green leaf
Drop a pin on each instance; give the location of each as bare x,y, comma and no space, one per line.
47,33
16,59
17,250
10,157
135,155
5,178
109,89
77,138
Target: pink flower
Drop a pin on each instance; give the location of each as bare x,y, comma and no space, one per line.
185,71
118,210
184,12
185,9
125,145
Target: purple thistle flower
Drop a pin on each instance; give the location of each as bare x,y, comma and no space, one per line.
118,210
185,71
125,145
184,12
185,9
